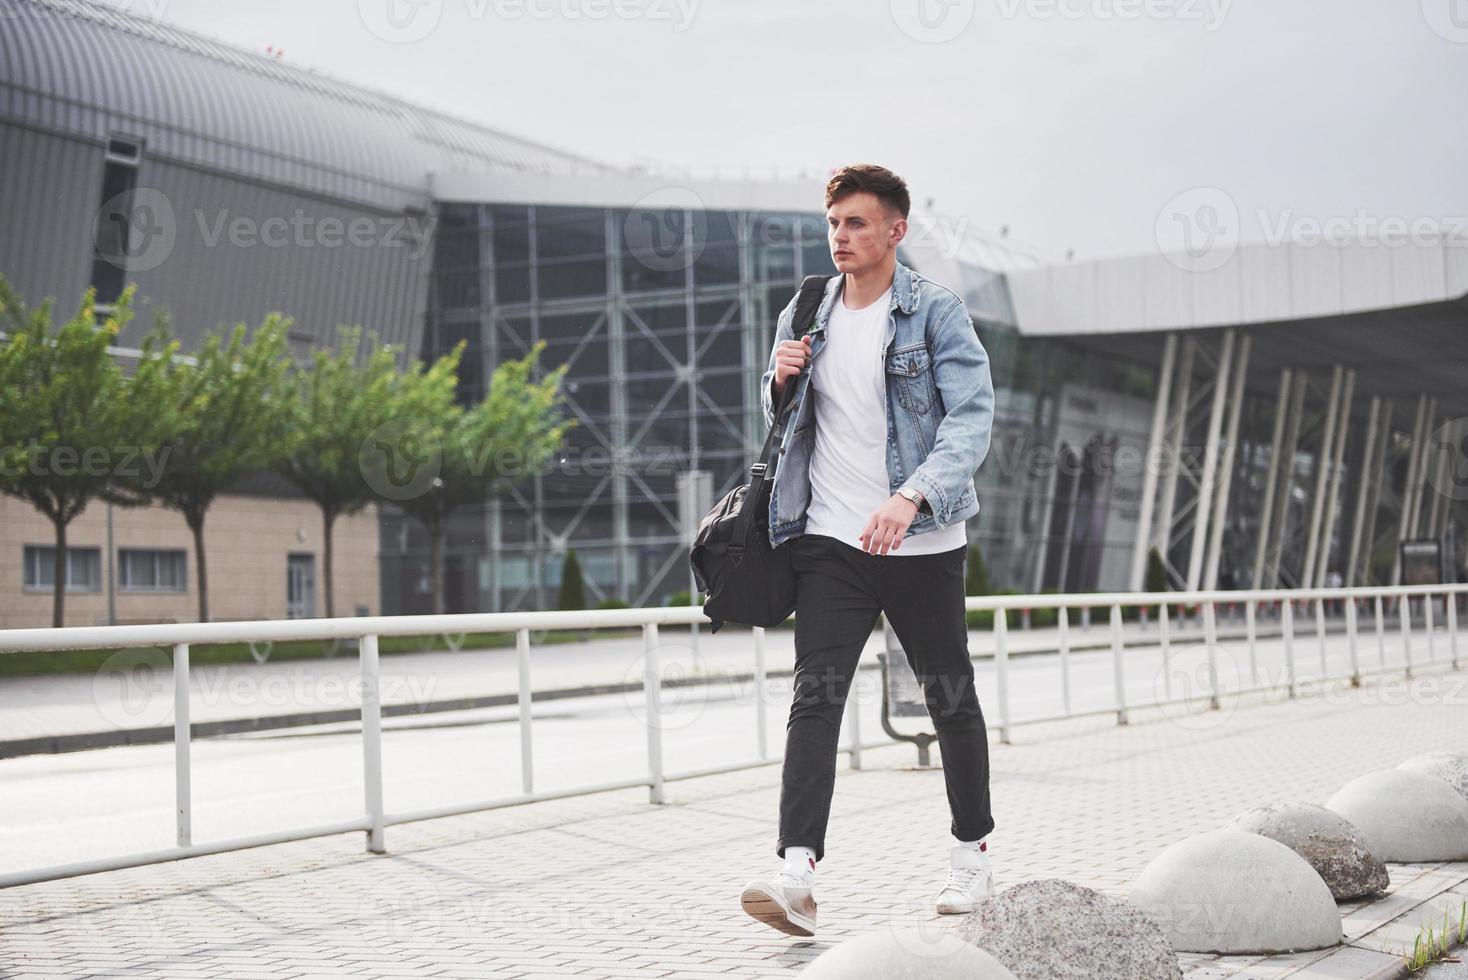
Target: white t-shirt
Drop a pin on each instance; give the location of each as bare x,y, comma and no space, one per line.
848,467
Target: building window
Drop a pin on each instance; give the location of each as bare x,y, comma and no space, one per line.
151,570
113,234
83,568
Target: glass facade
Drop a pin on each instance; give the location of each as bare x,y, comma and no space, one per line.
665,318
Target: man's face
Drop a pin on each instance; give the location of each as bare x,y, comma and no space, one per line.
862,232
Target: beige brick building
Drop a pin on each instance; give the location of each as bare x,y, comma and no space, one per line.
265,562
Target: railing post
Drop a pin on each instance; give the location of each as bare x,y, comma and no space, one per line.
1320,638
1164,637
1252,632
1063,622
652,689
1452,610
1351,644
1001,670
1116,652
853,713
182,770
1287,627
1427,624
1404,616
761,720
1210,633
371,742
527,757
1380,634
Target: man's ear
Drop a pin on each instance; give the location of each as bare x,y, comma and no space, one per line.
898,232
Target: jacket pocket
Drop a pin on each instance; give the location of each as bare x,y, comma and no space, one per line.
911,370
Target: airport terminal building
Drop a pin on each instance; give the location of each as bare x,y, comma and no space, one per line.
1303,393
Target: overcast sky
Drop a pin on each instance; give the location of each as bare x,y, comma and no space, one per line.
1077,123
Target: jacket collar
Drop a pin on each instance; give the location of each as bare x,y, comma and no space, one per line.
904,294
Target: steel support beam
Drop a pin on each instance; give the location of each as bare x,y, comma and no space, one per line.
1363,490
1209,475
1225,479
1286,477
1409,487
1266,517
1179,423
1337,464
1378,477
1322,470
1152,463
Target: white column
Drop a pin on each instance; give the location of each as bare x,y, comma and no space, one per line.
1179,422
1210,463
1225,481
1287,478
1151,464
1281,411
1363,491
1373,505
1404,522
1337,464
1322,469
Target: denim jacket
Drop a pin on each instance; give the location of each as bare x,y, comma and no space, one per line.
940,406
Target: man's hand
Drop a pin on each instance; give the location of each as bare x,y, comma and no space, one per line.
790,359
888,525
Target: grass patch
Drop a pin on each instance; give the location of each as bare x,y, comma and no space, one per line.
43,662
1432,945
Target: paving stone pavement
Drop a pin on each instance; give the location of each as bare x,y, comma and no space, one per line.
610,886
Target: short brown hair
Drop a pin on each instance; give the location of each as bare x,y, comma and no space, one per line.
889,188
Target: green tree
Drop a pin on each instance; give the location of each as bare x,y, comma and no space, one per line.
476,454
573,585
976,581
222,415
356,429
67,425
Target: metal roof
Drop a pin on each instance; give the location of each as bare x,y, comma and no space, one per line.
1257,284
93,70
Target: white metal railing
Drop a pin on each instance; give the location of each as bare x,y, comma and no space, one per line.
367,630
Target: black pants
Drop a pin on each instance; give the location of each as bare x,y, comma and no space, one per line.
839,591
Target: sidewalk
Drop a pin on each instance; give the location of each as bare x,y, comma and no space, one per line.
131,701
609,886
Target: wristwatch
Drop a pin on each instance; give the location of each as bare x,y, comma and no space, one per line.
913,495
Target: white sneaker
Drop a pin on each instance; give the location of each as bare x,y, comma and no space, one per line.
782,902
970,881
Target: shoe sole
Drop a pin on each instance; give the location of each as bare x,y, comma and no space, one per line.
762,907
962,909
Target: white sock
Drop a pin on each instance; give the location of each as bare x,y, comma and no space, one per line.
980,845
800,862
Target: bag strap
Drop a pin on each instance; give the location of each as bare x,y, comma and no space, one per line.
807,305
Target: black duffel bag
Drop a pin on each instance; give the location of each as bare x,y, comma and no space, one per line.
747,581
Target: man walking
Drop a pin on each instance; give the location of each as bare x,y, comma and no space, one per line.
888,427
